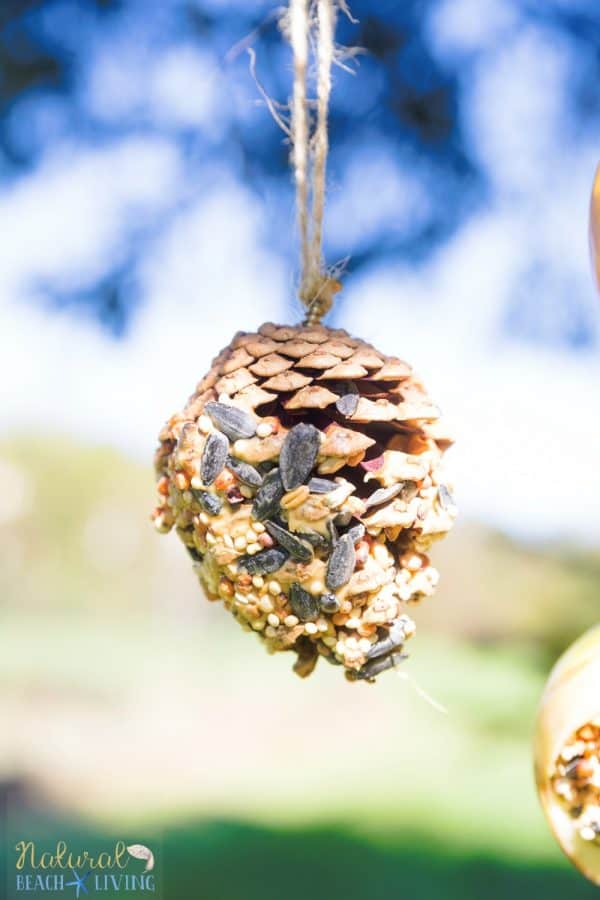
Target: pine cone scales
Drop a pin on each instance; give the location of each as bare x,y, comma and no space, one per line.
304,477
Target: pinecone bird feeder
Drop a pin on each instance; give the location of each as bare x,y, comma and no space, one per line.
304,474
304,477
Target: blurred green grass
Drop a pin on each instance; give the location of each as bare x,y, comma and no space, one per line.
131,702
228,860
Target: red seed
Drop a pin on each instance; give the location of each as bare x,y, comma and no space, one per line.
235,496
373,465
362,554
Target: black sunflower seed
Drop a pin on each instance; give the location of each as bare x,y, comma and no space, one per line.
213,457
333,532
266,501
298,455
376,666
234,422
347,403
395,638
263,563
303,604
382,495
245,472
356,533
296,548
329,603
194,553
314,538
321,486
210,503
341,563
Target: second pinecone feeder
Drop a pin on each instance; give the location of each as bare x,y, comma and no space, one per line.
304,477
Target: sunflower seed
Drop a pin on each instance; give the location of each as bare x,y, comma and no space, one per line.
395,638
210,503
333,532
263,563
314,538
295,547
356,533
298,455
234,422
343,518
341,563
266,501
381,664
383,495
347,403
304,605
196,556
409,491
446,499
329,603
245,472
213,457
321,486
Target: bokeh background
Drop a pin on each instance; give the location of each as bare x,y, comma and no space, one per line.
146,213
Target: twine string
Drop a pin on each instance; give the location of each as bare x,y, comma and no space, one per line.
299,28
309,151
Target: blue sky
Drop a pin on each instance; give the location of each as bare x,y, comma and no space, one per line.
148,169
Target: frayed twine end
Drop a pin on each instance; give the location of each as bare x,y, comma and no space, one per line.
318,298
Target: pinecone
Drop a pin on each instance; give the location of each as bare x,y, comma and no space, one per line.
304,478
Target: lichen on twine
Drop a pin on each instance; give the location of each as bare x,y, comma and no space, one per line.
310,25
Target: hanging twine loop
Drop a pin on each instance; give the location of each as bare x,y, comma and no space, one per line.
310,19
